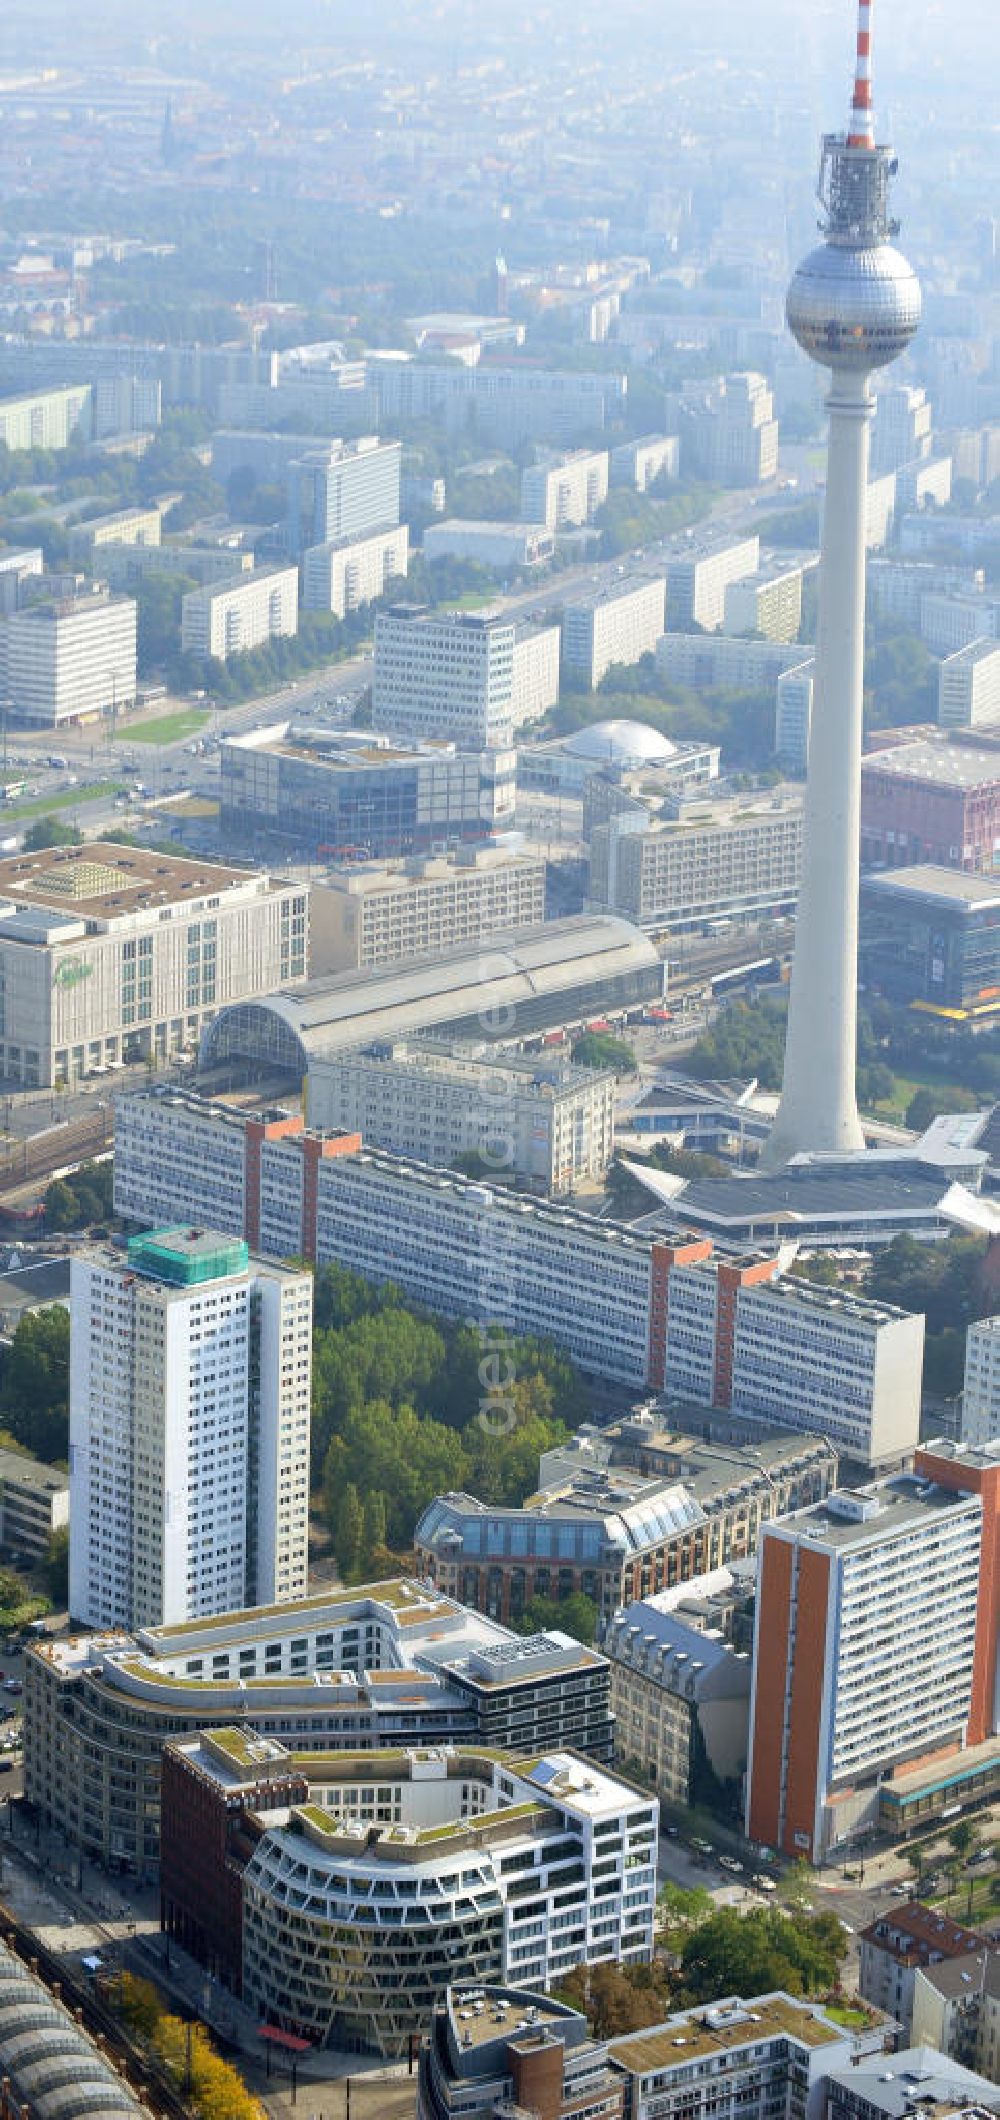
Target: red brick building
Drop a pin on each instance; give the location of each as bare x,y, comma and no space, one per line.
207,1835
936,801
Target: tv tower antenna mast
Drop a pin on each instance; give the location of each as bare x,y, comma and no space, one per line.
853,305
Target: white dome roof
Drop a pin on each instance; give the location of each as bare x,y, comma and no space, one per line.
620,743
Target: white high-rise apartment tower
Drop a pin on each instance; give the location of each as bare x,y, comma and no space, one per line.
190,1385
981,1392
853,305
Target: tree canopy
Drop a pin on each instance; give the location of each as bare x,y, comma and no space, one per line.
575,1615
720,1952
406,1406
747,1954
603,1049
85,1197
34,1390
51,831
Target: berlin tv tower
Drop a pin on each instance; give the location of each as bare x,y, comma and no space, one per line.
853,305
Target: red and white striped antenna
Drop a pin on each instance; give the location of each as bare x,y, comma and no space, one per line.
861,130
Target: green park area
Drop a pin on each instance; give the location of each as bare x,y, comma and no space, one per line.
66,799
167,728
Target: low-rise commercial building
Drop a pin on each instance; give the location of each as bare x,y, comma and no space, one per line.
541,1121
351,794
351,571
228,618
34,1503
504,546
441,1862
934,800
875,1648
388,1664
681,1698
616,625
734,859
624,1517
491,2048
699,571
969,687
930,936
624,756
834,1203
70,660
111,952
892,1950
379,913
564,491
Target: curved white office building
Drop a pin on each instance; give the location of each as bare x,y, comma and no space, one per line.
408,1870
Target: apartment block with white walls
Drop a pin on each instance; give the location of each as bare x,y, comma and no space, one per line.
351,571
617,625
229,618
191,1369
981,1388
564,491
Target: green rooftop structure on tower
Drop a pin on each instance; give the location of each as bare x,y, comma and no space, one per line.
187,1256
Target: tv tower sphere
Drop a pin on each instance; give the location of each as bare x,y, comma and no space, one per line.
853,305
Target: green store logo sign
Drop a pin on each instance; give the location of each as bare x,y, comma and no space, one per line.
72,972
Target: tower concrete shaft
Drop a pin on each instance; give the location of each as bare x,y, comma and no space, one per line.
853,305
818,1107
